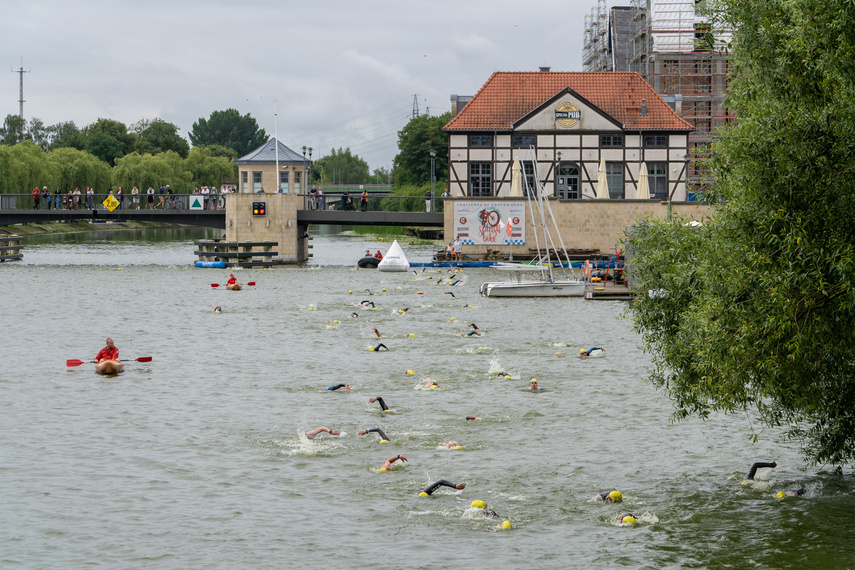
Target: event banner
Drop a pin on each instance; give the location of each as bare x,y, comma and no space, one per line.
490,223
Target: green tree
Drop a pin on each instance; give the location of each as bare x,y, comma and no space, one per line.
28,168
412,163
755,312
14,130
107,139
156,135
38,133
341,167
230,129
65,135
208,169
71,168
144,170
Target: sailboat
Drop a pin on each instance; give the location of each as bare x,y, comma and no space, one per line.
546,285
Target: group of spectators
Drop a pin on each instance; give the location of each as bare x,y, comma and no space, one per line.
161,199
58,200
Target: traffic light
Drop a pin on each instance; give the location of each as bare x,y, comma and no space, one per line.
259,208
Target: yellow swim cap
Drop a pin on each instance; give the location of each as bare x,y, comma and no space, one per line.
411,372
412,335
383,289
506,525
384,441
310,309
350,292
508,376
616,496
452,318
581,351
335,321
459,447
371,349
629,519
476,504
780,495
383,469
423,494
329,326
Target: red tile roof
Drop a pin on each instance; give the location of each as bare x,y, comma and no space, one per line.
510,95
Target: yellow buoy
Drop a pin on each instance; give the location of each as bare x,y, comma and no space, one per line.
452,319
412,335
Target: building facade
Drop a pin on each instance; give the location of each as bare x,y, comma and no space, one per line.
563,127
257,170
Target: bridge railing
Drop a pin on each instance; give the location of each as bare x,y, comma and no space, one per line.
127,202
386,203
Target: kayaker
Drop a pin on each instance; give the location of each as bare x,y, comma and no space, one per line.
378,399
441,483
337,386
388,465
109,352
378,431
311,434
232,279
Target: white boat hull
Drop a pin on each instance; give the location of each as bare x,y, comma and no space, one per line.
534,289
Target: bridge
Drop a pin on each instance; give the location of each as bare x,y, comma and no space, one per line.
207,218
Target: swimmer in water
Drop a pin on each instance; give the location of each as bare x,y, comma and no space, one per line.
441,483
354,315
471,333
452,445
611,497
218,309
627,518
378,431
473,325
337,386
756,466
585,353
378,399
316,431
376,332
388,465
378,347
368,303
533,386
432,384
450,293
402,311
503,374
484,508
473,418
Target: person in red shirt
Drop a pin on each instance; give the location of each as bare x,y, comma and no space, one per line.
37,196
232,279
109,352
378,255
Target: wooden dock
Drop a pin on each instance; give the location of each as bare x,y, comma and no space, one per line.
10,248
608,291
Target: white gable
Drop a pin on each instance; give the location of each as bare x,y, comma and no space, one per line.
561,115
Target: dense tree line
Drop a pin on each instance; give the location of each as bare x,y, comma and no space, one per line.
754,312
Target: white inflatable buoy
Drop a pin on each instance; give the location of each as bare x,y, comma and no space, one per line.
395,259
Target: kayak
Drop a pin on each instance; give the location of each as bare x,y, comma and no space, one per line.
109,367
234,287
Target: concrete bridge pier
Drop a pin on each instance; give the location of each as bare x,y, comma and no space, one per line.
278,223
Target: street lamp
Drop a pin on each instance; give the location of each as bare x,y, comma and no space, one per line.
432,176
309,183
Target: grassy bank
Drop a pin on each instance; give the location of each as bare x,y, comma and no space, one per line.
80,226
400,233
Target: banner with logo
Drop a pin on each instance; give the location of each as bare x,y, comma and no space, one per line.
490,223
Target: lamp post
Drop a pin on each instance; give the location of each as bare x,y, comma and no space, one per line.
309,183
304,169
432,176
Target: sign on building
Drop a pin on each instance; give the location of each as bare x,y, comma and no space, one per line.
490,223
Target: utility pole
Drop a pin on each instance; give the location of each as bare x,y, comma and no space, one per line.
415,105
21,72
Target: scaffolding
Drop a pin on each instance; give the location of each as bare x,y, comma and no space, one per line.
596,49
674,46
683,56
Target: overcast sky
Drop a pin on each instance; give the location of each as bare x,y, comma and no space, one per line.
343,72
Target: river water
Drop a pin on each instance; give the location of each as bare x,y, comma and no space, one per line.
195,459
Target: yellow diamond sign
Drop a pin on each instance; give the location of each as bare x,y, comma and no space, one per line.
111,203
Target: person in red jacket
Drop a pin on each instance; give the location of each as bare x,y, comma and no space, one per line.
37,196
109,352
378,255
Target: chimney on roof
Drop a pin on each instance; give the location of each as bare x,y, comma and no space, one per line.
544,70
